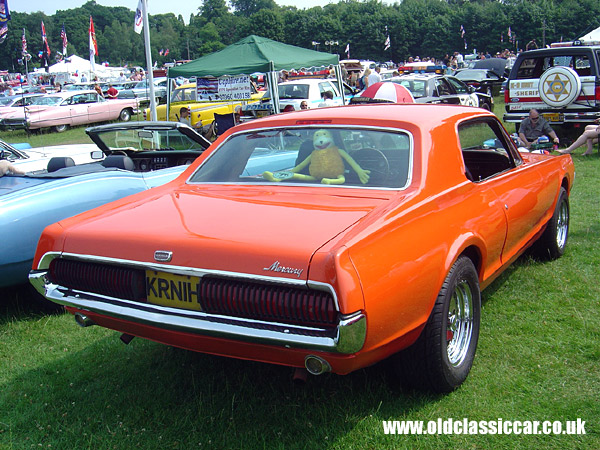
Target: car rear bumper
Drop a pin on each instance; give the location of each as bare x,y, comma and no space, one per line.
347,337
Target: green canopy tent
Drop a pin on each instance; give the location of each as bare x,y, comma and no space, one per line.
257,54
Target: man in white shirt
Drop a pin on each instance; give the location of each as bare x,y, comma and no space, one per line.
374,76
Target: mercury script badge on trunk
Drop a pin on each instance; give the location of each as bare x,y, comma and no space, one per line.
162,256
276,267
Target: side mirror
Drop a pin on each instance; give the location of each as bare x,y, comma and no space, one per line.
97,154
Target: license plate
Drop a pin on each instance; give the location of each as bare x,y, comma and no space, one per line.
553,117
176,291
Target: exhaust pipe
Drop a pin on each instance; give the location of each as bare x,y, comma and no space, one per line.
316,365
300,376
83,321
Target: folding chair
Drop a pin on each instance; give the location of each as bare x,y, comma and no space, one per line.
224,122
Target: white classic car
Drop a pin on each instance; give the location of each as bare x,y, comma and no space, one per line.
37,159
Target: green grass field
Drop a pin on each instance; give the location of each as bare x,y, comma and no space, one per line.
65,387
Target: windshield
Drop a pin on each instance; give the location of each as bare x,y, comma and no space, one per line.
137,140
47,100
418,88
294,91
309,155
184,94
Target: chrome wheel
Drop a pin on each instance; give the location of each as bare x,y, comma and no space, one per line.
562,225
460,323
442,356
553,242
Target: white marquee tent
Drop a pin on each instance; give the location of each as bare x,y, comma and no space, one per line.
593,35
77,65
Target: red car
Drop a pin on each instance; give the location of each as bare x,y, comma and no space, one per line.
326,239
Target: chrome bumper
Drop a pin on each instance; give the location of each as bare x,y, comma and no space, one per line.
568,117
348,337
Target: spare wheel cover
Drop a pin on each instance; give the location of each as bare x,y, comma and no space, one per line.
559,86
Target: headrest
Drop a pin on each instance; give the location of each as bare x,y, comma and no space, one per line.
59,162
119,162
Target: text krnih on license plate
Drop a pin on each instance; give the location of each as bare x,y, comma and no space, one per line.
176,291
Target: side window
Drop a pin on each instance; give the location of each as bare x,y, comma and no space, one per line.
582,66
485,150
527,68
442,87
458,86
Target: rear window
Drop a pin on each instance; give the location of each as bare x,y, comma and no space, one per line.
277,157
534,67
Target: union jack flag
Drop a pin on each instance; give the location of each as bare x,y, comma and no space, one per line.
44,39
63,36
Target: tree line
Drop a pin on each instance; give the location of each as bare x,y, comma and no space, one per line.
426,28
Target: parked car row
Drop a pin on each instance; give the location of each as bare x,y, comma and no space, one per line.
68,108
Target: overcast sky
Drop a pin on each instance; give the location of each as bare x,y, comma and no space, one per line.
183,7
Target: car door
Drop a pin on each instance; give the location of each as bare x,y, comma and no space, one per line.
442,92
494,164
77,106
98,108
329,86
463,92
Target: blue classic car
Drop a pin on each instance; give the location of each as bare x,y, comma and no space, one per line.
139,156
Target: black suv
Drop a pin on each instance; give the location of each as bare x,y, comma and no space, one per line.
561,82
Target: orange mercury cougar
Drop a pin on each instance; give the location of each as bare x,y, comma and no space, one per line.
326,240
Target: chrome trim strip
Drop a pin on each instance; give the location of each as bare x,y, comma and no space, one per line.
348,337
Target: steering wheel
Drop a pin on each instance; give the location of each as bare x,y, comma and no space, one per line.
375,161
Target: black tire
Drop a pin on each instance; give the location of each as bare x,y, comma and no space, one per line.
552,243
61,128
441,358
125,115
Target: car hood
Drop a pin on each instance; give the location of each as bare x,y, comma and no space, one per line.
264,232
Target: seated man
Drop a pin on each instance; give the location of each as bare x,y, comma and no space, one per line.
534,127
184,116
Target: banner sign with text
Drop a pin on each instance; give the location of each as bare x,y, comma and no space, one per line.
225,88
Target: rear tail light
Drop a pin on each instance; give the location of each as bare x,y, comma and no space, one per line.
597,93
506,95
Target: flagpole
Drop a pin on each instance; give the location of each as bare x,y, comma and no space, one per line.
150,75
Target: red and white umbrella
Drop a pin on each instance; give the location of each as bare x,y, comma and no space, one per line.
388,90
